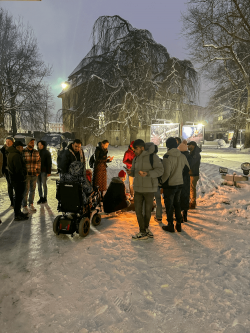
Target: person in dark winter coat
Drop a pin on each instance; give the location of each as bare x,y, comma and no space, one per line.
194,171
100,166
17,175
175,165
127,160
185,191
4,150
60,155
115,198
46,164
73,153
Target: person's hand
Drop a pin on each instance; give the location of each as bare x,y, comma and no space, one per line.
111,158
128,172
48,175
37,174
143,173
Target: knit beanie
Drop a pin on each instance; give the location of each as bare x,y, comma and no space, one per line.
10,138
183,146
122,174
28,139
171,143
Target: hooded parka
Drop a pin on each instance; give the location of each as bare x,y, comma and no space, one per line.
142,163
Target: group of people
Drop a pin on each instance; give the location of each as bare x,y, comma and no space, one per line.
23,168
174,177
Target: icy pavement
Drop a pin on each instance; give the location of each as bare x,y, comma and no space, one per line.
189,282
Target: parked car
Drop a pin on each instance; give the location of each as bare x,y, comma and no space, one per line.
54,141
20,137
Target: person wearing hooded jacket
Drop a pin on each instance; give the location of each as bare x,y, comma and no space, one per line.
127,160
175,165
115,198
185,191
145,184
194,171
73,153
46,164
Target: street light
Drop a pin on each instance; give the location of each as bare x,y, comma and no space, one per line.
65,85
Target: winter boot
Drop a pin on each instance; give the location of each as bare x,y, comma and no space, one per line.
40,201
169,228
44,200
178,227
184,215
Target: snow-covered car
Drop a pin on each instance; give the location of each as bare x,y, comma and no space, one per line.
54,142
19,137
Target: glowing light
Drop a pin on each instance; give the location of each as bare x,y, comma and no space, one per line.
64,85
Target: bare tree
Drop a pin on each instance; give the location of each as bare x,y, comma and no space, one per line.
38,111
22,69
127,79
219,36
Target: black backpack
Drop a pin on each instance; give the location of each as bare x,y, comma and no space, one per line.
92,161
151,159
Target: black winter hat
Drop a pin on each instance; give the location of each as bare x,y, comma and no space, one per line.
171,143
18,143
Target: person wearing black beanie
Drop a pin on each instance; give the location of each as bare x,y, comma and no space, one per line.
175,164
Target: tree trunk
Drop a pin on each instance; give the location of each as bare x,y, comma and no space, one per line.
1,108
13,118
247,133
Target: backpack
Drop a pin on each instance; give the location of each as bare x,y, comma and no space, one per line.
92,161
151,160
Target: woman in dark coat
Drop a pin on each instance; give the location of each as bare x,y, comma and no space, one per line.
100,166
185,192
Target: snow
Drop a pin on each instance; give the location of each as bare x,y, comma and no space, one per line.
189,282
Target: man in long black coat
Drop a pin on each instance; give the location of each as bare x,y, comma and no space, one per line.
46,164
17,176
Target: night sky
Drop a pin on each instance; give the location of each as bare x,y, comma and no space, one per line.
63,28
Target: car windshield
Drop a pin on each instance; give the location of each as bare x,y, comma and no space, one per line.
52,140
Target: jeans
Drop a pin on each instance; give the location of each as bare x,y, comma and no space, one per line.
10,188
29,190
158,204
172,202
193,183
143,220
42,185
19,188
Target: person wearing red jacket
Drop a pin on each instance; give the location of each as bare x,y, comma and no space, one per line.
127,159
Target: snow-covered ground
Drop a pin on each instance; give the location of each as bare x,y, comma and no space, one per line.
189,282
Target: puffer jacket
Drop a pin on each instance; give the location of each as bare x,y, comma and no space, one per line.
16,165
174,163
142,163
195,159
128,157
